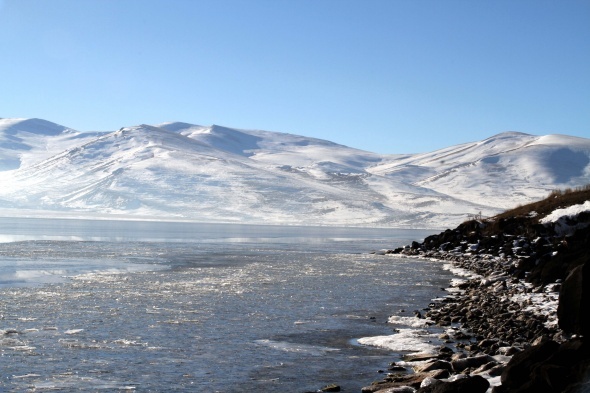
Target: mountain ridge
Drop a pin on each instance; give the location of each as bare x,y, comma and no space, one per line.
184,171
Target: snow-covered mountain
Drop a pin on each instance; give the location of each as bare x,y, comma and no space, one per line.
26,141
185,171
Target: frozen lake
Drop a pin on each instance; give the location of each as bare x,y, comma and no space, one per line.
144,306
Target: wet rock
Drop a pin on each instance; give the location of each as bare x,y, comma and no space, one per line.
440,374
429,382
420,356
487,342
497,371
471,362
508,351
397,381
401,389
431,366
474,384
396,368
485,367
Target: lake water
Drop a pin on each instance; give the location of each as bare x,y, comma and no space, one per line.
154,307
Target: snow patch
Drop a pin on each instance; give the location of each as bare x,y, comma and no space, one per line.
568,212
409,321
406,340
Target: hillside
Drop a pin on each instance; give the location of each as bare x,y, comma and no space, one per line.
213,173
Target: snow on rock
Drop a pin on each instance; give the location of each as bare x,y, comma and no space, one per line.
569,212
414,322
565,220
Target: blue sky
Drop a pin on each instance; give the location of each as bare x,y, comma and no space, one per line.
391,76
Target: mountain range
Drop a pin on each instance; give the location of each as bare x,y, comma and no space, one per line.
180,171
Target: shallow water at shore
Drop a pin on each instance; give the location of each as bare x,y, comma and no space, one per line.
207,316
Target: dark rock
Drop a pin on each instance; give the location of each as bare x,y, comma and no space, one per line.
440,374
487,342
474,384
509,351
582,387
446,350
401,389
519,369
485,367
331,388
574,301
420,356
397,368
471,362
496,371
396,381
436,365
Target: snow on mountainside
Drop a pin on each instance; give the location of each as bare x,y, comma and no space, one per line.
24,141
502,171
185,171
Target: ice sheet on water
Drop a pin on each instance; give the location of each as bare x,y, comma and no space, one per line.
460,271
406,340
409,321
73,331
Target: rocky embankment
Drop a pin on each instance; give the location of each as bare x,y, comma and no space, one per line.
517,324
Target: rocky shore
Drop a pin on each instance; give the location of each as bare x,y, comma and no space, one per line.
517,322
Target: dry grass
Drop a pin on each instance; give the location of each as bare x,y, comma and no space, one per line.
524,220
557,199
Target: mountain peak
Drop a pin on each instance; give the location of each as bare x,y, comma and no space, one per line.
32,126
510,134
178,126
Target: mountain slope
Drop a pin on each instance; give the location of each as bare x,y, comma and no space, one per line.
504,170
25,141
185,171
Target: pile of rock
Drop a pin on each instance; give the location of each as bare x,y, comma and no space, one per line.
494,332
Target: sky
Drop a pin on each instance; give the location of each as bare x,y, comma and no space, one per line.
388,76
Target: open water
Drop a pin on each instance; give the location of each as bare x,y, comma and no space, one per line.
161,307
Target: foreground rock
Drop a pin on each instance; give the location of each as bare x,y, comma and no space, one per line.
522,318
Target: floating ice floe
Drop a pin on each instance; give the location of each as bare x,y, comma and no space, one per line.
406,340
73,331
409,321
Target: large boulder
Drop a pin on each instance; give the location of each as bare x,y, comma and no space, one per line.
574,301
434,365
520,368
471,362
547,367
